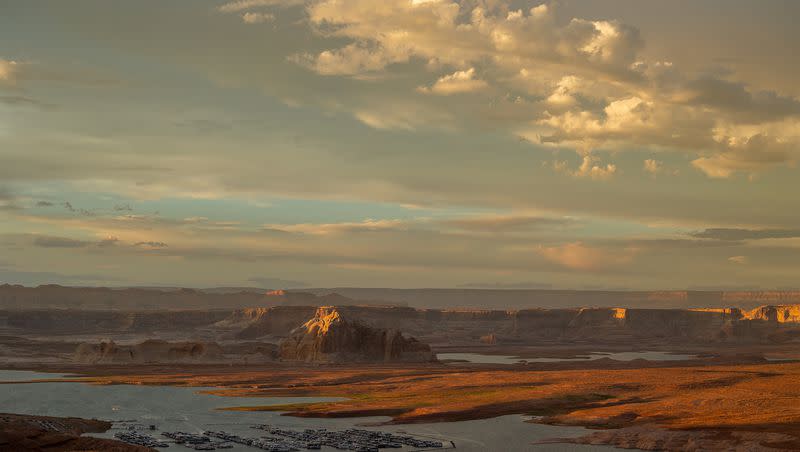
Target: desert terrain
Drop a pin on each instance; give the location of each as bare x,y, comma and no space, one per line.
692,378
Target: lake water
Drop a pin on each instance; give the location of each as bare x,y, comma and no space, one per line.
179,408
619,356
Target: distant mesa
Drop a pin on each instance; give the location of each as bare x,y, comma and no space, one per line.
53,296
332,337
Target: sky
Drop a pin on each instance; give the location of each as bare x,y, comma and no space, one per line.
621,144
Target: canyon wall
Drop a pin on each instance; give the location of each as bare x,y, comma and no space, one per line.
555,299
763,324
775,323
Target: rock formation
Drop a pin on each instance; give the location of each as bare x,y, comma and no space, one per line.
151,351
766,324
329,337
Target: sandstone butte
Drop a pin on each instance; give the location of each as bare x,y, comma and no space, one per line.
330,337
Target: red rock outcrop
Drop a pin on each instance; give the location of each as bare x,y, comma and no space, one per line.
329,337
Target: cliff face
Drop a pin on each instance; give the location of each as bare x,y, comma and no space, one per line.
530,325
278,321
763,324
151,351
555,299
329,337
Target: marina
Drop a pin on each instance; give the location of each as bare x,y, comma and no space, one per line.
276,439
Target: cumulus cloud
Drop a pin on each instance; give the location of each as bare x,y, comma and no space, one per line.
747,154
589,168
353,59
629,103
455,83
453,33
653,166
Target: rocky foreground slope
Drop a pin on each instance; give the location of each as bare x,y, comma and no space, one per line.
57,434
331,337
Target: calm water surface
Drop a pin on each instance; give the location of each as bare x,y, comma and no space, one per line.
178,408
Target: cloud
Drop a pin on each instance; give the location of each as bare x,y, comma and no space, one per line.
8,71
353,59
589,168
747,154
46,241
453,33
734,234
740,260
455,83
123,208
337,228
44,204
8,200
241,5
59,242
578,256
402,115
502,223
586,83
23,101
151,245
257,18
737,100
653,167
